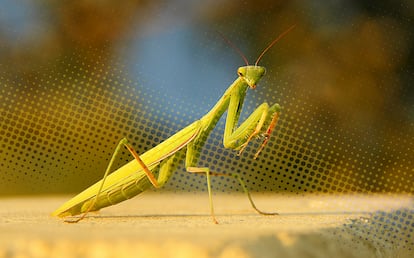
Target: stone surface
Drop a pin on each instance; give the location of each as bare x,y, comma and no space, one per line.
162,224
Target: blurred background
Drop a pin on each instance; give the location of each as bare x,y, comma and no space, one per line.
77,76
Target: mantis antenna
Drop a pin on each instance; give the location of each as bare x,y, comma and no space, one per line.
235,48
273,42
263,52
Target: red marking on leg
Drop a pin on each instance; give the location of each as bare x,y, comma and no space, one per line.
267,134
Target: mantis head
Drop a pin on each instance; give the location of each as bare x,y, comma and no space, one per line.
251,74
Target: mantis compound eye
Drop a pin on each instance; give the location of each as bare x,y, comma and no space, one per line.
242,71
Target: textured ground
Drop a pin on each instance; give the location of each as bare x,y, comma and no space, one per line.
178,225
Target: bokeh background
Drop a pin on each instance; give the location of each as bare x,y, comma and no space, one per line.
77,76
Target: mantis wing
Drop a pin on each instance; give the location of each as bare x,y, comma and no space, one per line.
131,172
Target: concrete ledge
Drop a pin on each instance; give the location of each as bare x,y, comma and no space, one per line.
178,225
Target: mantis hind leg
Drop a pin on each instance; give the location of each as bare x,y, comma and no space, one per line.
123,142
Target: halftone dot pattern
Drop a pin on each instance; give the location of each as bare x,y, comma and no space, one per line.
383,230
59,129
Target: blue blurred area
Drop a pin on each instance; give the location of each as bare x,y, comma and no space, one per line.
23,21
166,54
177,64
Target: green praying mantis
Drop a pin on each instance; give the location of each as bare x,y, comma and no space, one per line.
155,166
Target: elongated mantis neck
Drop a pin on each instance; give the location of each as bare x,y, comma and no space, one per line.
239,85
248,77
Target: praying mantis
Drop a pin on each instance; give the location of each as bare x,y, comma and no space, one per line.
155,166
